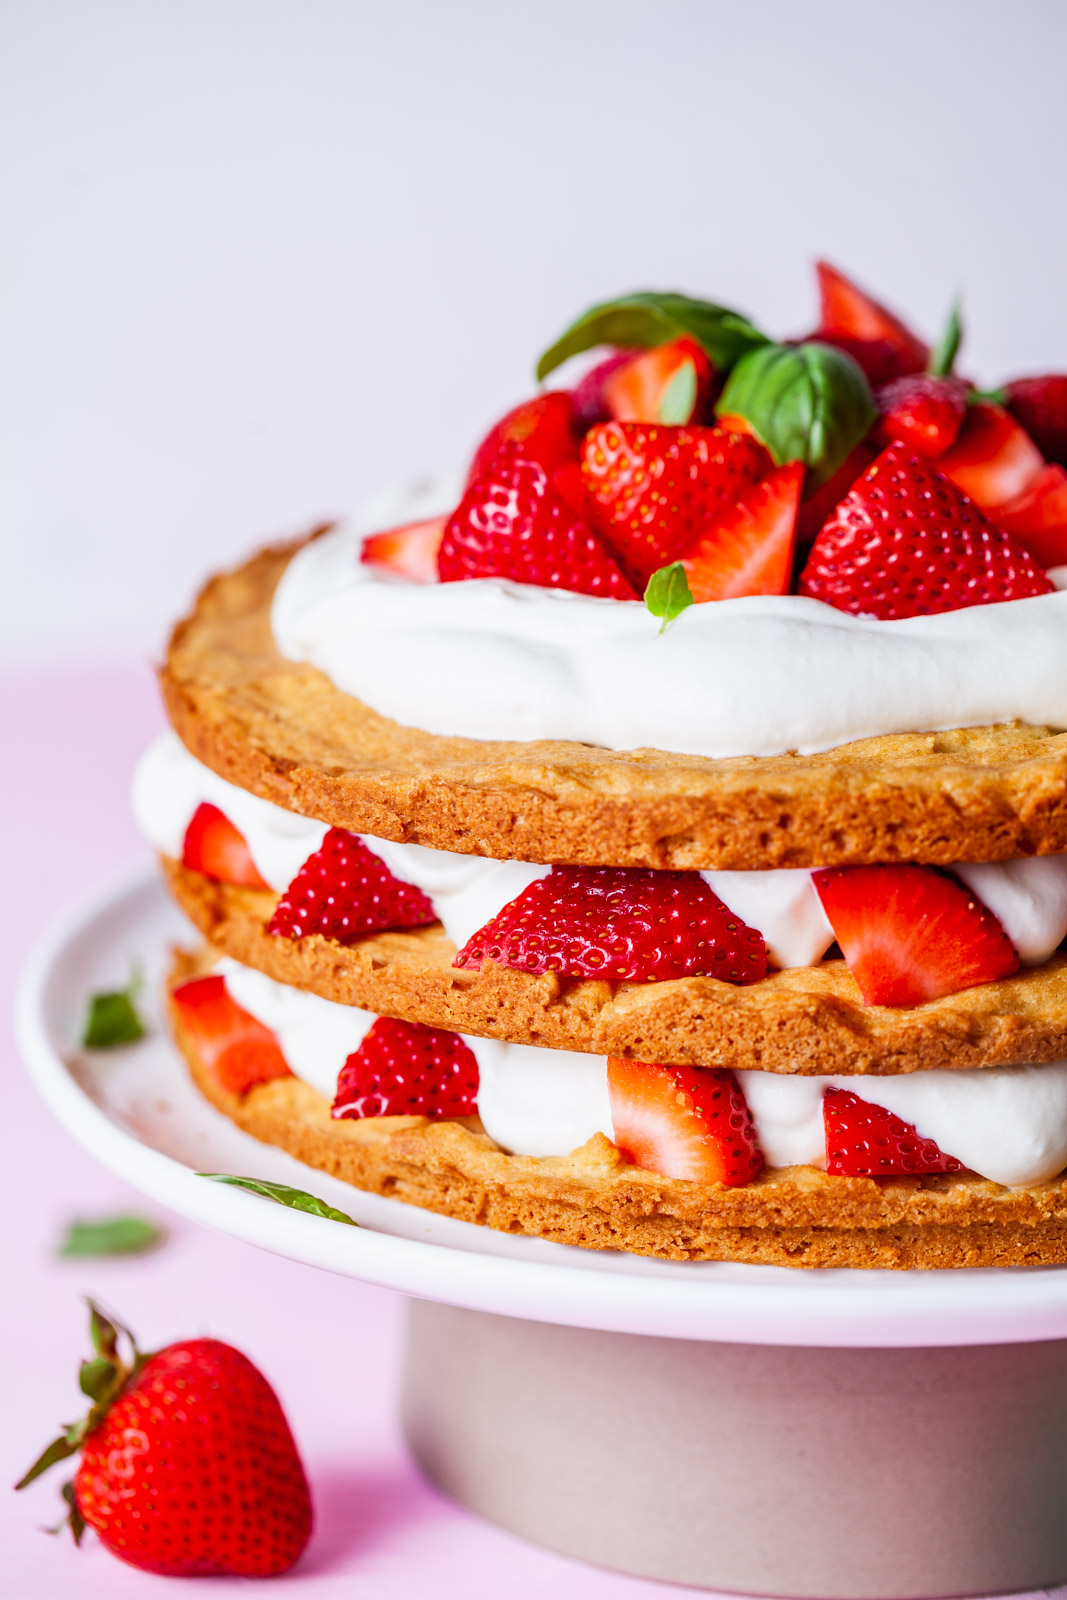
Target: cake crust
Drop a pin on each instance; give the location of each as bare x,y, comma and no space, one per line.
794,1216
283,731
807,1021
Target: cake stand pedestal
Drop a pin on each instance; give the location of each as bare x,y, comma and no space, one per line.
756,1429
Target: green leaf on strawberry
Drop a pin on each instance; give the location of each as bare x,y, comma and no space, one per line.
668,593
943,355
807,402
113,1017
648,318
298,1199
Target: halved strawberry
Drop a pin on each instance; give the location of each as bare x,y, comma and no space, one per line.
817,508
344,891
587,397
911,934
994,460
655,489
236,1048
622,924
867,1141
404,1069
849,318
683,1122
408,552
1038,518
540,429
749,549
1040,404
905,542
637,390
514,524
922,411
214,847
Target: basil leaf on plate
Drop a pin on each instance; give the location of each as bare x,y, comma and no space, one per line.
298,1199
111,1236
807,402
668,593
113,1017
649,318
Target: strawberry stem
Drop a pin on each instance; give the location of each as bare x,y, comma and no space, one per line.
943,355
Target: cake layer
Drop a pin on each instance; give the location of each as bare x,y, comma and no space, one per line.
283,731
793,1216
808,1020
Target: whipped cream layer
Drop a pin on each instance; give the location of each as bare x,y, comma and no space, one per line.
489,659
1008,1124
1028,896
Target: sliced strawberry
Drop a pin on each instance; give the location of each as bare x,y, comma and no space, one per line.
1040,404
408,552
815,510
655,489
637,391
404,1069
905,542
587,397
749,549
621,924
911,934
214,847
1038,518
229,1041
923,412
344,891
994,460
514,524
540,429
866,1141
569,484
683,1122
851,319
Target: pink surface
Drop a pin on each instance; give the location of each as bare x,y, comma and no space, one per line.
331,1347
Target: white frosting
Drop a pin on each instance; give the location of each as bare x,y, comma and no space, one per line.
1028,896
784,906
488,659
316,1036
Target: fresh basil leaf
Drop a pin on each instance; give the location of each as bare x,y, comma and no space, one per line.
298,1199
111,1236
807,402
113,1018
943,356
648,318
668,593
679,397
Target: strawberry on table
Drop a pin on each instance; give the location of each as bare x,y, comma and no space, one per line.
906,542
408,552
344,891
1040,404
1038,518
232,1044
674,377
923,411
403,1069
849,318
215,848
515,524
867,1141
540,429
621,924
655,489
994,460
749,549
683,1122
188,1467
911,934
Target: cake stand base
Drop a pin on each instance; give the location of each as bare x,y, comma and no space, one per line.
760,1469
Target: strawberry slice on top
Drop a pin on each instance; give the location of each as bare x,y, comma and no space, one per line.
1040,404
683,1122
515,524
867,1141
923,411
749,549
994,459
233,1045
906,542
541,429
1038,518
677,374
655,490
218,850
621,924
851,319
404,1069
911,934
344,891
408,552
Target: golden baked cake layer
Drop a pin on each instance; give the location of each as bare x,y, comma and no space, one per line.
282,730
807,1020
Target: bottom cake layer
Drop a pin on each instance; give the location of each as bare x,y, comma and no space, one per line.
594,1198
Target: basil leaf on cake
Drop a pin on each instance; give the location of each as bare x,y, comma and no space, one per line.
656,836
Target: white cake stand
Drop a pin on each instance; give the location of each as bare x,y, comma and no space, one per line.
827,1433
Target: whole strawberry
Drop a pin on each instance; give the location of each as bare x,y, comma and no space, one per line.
1040,404
188,1468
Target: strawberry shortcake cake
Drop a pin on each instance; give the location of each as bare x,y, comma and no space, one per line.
657,840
